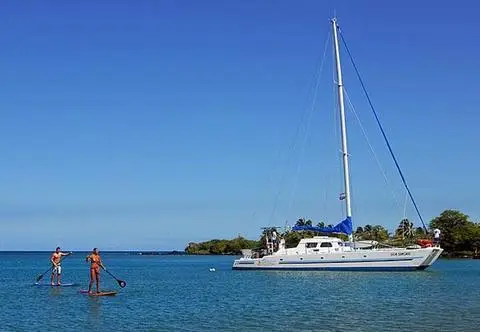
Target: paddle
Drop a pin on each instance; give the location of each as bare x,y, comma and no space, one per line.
51,267
121,283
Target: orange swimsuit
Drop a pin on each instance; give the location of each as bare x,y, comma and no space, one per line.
95,260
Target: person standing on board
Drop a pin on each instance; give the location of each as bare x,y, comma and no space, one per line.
95,265
56,268
436,237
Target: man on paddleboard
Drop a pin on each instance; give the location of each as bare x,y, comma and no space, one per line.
95,265
56,268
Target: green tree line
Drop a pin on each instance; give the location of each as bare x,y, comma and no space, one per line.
221,247
459,236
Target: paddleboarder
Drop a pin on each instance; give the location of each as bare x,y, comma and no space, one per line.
56,268
95,265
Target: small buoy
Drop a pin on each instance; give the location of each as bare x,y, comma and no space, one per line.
212,269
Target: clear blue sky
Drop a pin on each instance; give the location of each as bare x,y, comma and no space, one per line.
149,124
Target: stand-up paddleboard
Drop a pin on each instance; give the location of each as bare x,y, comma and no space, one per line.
70,284
107,293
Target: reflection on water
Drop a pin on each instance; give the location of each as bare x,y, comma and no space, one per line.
55,291
94,309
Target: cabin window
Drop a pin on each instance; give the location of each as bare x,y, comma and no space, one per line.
326,244
311,245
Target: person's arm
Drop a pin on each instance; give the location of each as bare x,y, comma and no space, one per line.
66,254
52,261
101,264
87,259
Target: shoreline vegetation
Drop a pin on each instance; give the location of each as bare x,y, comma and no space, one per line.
460,237
125,252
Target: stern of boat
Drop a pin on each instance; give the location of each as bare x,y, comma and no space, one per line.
244,263
432,255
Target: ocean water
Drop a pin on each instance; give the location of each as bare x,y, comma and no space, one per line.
179,293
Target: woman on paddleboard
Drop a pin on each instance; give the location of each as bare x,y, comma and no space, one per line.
95,265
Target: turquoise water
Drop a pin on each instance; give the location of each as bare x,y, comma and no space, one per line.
179,293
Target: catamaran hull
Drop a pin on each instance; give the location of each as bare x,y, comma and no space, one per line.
359,260
336,268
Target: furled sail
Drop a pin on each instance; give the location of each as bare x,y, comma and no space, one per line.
344,227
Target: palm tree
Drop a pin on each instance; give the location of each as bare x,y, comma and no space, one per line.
405,229
419,233
367,230
303,222
379,233
300,222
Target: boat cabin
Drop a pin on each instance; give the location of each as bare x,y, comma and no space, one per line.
315,245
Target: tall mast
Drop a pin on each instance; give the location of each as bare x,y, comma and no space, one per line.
343,126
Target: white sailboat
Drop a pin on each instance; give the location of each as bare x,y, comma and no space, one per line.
332,253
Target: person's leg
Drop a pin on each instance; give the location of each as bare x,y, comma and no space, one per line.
59,275
92,277
51,278
97,275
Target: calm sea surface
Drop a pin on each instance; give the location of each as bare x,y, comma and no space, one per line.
179,293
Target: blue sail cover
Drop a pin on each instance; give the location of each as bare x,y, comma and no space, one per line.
344,227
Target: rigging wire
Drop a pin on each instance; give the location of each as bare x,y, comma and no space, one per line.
364,132
383,132
309,122
405,205
305,115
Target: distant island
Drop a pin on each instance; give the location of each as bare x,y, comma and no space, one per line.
157,253
221,247
460,237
